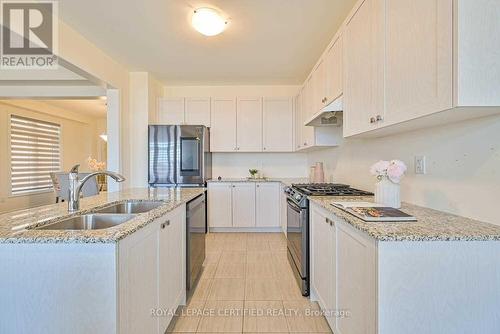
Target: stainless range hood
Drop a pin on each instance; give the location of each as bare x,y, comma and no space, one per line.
330,115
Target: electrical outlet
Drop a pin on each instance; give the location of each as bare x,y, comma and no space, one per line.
420,164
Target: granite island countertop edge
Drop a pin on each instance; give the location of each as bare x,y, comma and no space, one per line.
25,232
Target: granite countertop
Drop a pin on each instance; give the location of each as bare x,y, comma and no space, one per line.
17,226
285,181
432,225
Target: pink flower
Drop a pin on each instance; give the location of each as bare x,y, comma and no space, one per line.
396,170
379,168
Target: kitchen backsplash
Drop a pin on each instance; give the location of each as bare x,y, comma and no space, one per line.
280,165
463,166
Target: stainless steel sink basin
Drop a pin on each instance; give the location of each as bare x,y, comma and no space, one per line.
88,222
131,207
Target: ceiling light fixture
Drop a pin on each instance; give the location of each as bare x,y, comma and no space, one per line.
208,21
104,137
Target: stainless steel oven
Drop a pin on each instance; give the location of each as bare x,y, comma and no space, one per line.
298,224
298,238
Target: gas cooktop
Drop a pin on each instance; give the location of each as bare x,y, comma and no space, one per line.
329,189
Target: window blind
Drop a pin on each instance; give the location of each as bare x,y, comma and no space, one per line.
35,152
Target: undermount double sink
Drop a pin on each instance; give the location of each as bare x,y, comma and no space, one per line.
103,218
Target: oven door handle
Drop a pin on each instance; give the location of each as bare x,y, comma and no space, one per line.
293,206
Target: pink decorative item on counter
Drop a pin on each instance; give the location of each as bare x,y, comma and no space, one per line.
387,189
319,173
312,174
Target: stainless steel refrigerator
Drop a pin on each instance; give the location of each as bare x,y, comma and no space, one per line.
179,155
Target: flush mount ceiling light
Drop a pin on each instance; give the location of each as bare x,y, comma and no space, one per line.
208,21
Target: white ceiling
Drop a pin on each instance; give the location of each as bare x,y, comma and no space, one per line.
91,107
266,41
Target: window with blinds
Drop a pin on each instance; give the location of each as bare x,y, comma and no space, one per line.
34,153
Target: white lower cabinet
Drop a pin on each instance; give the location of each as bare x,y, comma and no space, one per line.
244,205
268,204
356,279
283,208
220,203
151,274
323,266
343,273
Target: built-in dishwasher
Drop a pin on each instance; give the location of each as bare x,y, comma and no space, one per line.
196,229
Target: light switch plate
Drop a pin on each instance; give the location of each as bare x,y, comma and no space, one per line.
420,165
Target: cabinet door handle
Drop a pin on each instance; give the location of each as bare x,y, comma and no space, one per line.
329,221
379,118
372,120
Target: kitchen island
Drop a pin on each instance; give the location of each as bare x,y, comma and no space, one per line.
439,275
95,281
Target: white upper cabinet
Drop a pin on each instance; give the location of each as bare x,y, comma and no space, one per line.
334,70
277,124
418,58
171,111
249,124
406,60
197,111
307,110
298,119
243,204
223,130
319,87
268,204
363,66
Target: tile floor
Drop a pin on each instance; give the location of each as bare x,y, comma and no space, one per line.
247,286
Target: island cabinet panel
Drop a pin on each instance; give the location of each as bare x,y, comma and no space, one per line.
151,274
58,288
138,281
172,261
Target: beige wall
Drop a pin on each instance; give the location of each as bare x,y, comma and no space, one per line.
79,140
463,166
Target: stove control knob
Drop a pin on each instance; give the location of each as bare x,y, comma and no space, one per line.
298,197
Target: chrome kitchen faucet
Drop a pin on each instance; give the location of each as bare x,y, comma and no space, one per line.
76,185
